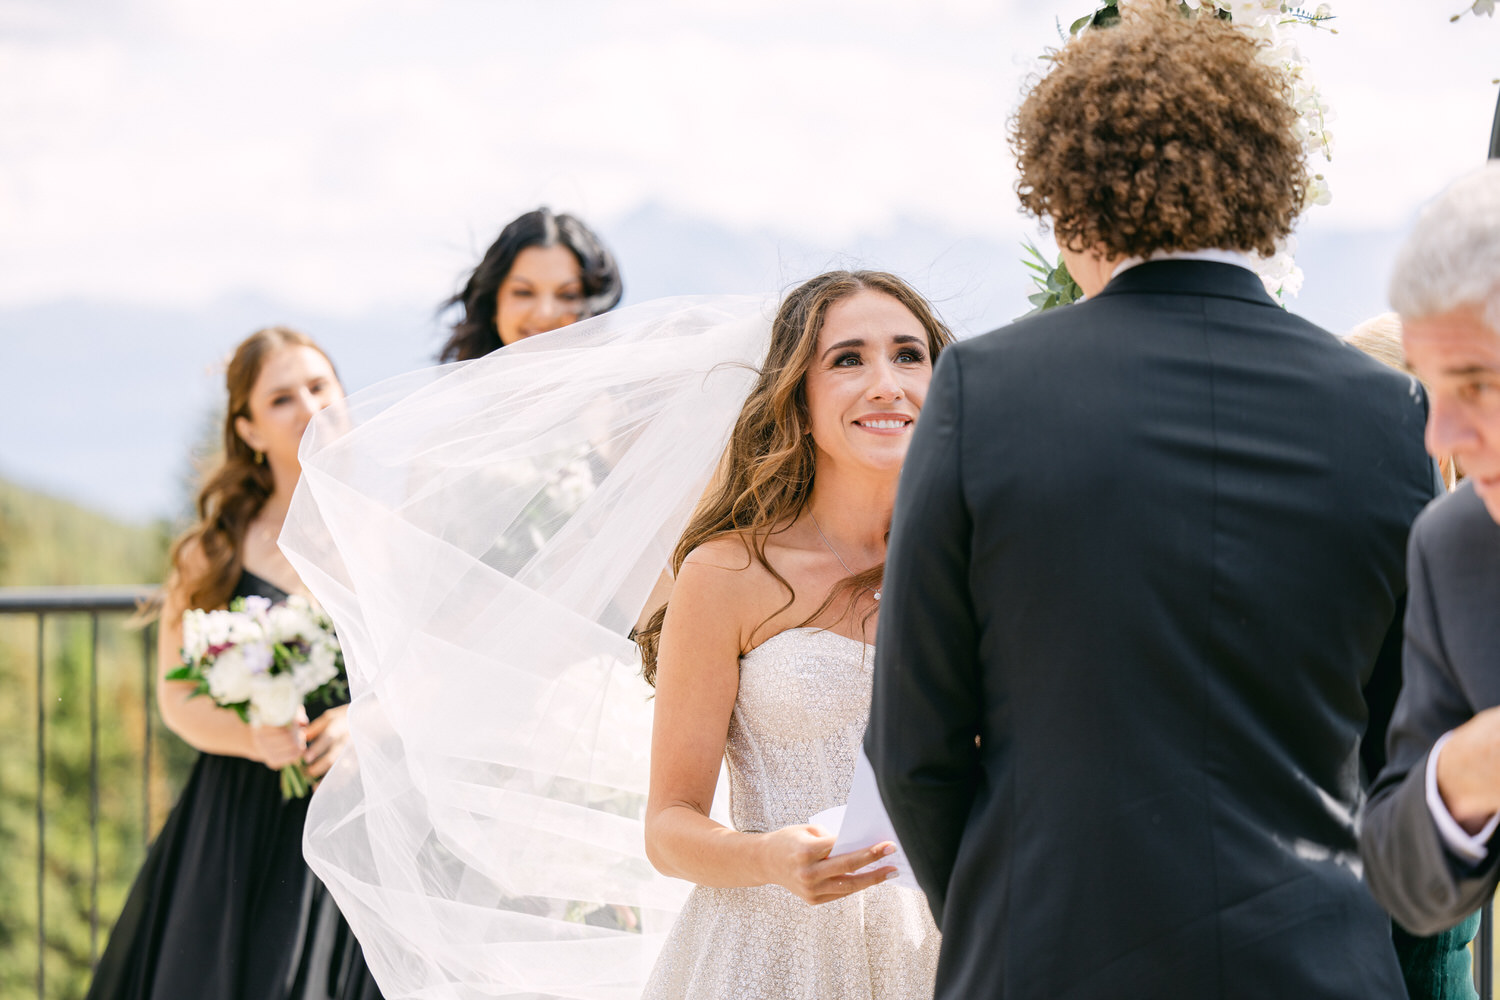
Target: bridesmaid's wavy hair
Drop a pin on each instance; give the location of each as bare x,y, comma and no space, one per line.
766,475
476,334
236,486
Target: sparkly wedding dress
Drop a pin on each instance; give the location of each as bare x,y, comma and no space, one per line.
798,721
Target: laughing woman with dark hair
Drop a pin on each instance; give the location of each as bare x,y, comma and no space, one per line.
544,271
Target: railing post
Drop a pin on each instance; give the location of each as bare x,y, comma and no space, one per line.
44,602
148,671
94,791
41,812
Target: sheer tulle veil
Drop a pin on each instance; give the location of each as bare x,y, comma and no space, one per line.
484,536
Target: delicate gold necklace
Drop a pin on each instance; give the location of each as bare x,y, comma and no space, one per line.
835,551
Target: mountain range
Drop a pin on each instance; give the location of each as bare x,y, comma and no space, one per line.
102,402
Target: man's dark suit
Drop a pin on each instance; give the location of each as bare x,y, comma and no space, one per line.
1452,673
1146,549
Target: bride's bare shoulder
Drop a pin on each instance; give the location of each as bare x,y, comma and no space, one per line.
728,568
729,552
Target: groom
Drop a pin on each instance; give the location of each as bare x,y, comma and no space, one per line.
1146,552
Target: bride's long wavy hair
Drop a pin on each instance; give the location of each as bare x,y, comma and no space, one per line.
766,475
235,487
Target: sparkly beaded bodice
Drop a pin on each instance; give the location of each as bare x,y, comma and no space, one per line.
794,736
798,720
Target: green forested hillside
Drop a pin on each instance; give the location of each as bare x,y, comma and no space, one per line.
50,542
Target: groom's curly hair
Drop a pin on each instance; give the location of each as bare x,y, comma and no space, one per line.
1163,132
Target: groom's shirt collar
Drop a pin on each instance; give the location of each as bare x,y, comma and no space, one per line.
1236,257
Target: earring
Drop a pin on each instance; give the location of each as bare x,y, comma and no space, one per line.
260,458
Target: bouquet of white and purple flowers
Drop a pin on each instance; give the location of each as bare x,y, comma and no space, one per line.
264,661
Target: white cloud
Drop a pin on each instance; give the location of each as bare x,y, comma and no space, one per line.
264,22
1413,101
816,140
355,152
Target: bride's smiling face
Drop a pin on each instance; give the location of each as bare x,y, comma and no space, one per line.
866,382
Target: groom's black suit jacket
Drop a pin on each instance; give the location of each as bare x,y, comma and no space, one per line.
1147,550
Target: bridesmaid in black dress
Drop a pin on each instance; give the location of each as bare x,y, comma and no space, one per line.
225,907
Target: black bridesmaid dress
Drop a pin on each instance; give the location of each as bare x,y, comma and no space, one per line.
224,907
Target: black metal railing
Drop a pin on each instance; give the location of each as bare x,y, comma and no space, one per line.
91,604
120,602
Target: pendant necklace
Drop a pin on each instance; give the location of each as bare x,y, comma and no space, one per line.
835,551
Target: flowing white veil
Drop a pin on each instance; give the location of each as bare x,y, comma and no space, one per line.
484,536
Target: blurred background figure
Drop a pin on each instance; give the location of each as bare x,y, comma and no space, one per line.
1380,338
544,271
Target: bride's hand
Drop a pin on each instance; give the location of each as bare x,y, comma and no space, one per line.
278,746
797,857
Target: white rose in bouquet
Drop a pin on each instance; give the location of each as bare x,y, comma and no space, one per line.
229,677
293,621
320,667
194,636
263,661
216,627
274,700
244,629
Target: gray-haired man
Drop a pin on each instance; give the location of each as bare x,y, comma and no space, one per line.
1428,828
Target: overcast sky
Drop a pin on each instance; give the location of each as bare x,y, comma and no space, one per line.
348,151
175,173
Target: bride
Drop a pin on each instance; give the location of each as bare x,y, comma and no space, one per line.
763,658
484,536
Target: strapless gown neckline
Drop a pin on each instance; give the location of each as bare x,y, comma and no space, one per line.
794,736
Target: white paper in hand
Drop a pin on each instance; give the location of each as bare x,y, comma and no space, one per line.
863,822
